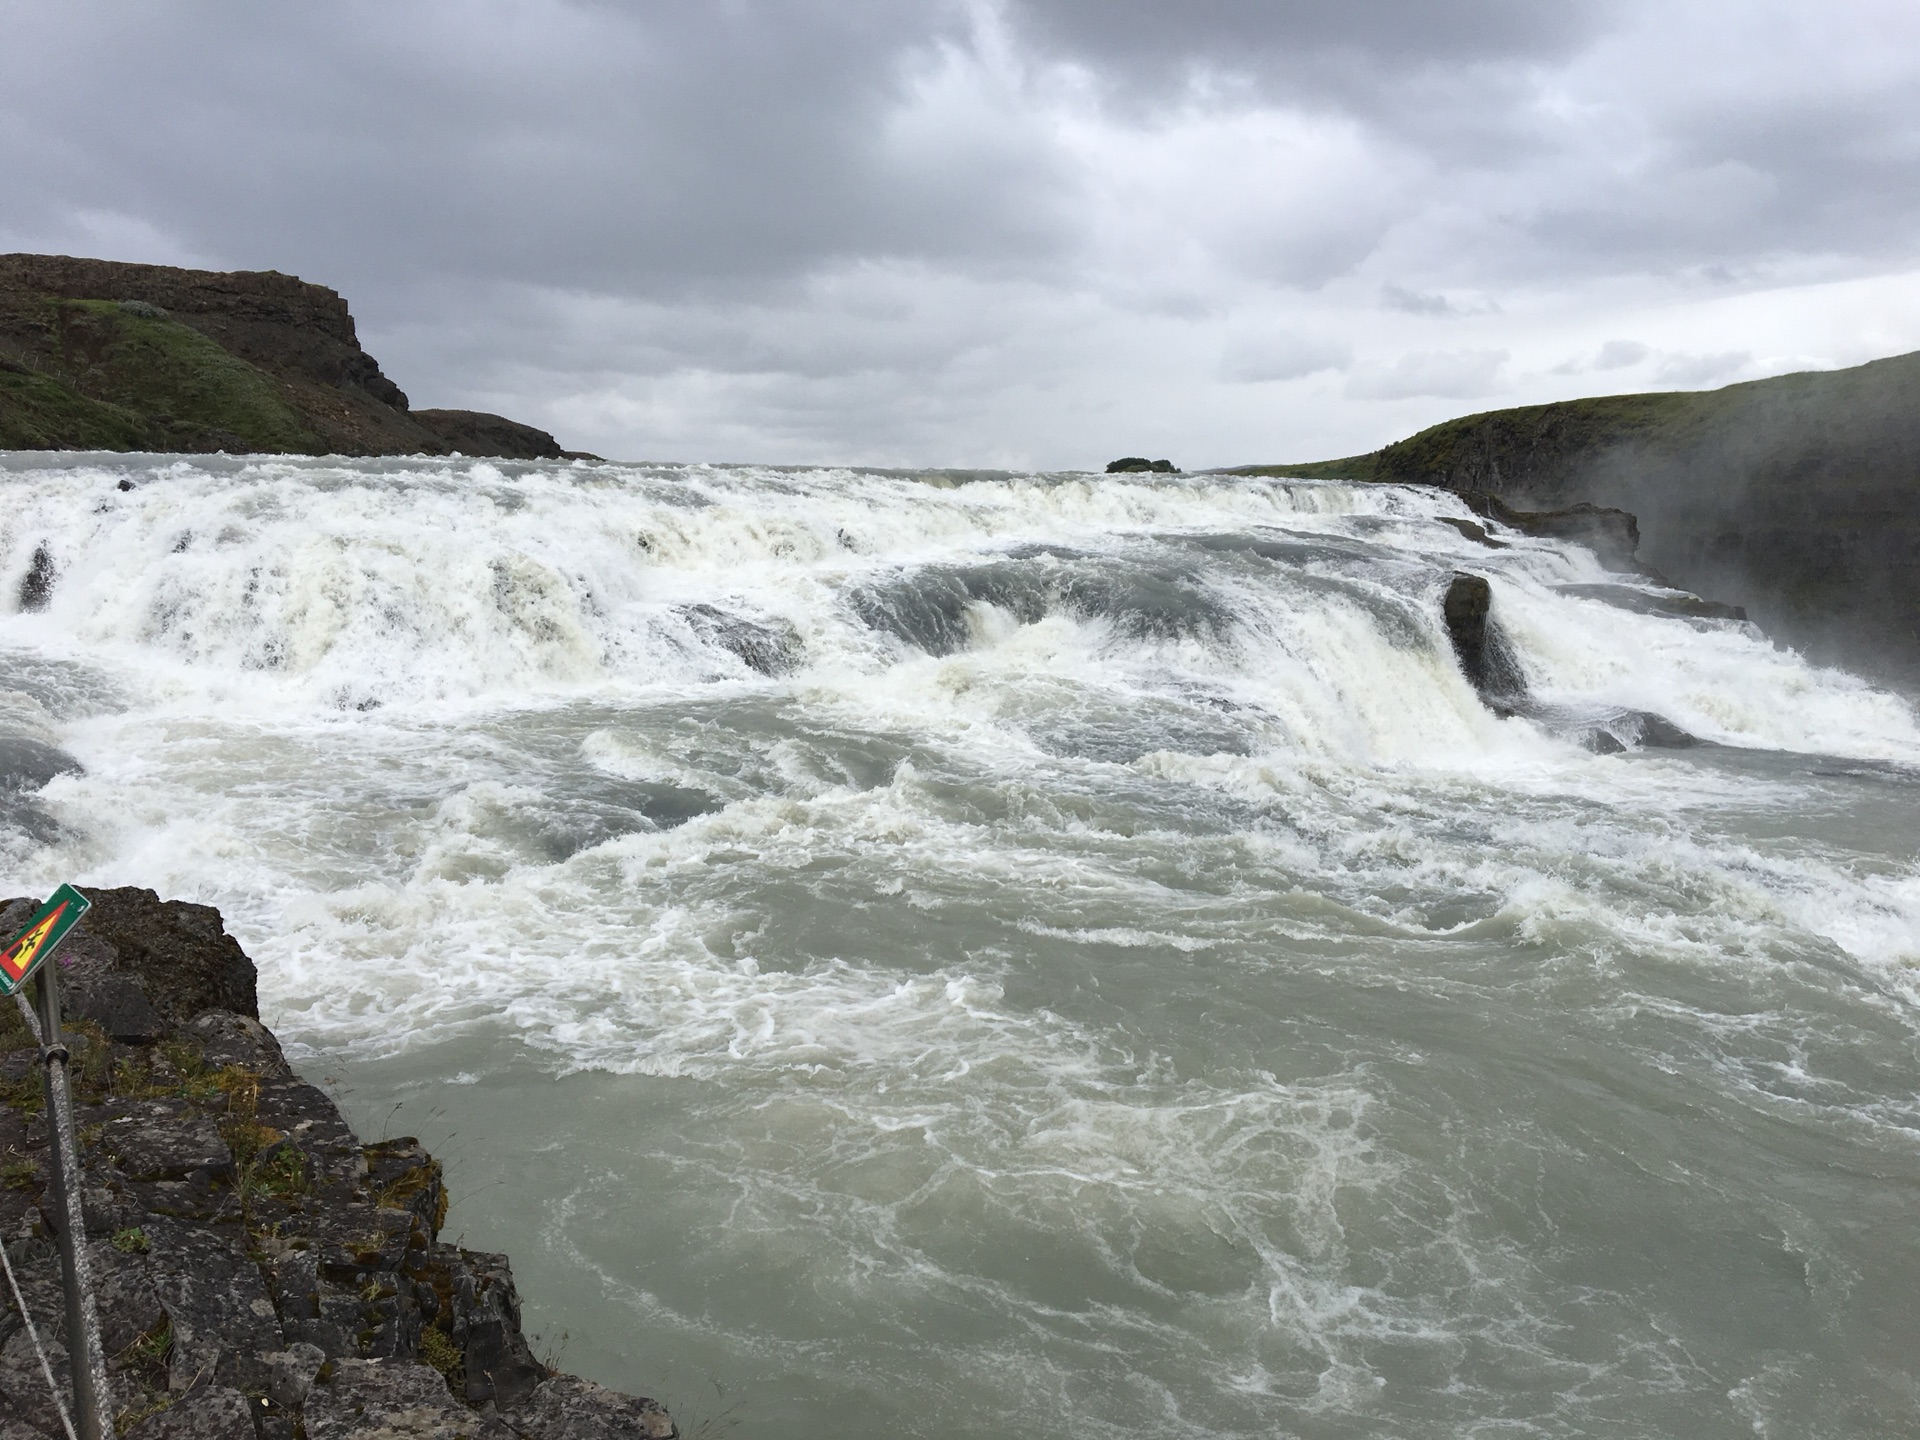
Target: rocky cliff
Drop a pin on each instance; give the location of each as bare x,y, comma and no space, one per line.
261,1273
1797,497
99,355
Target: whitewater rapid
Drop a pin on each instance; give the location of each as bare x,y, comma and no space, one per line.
1074,948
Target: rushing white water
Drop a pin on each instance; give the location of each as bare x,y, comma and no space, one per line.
922,954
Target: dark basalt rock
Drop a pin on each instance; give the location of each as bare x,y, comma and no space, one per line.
27,764
499,1366
92,987
1613,535
1674,604
180,952
475,432
374,1399
36,586
260,1273
1476,533
163,1140
1488,661
770,650
213,1412
223,1318
1483,652
1139,464
581,1410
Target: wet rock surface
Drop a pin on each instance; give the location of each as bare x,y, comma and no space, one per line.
1613,535
1484,654
769,649
1673,604
260,1273
1490,665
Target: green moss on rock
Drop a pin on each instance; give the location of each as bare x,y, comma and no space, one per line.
39,412
194,394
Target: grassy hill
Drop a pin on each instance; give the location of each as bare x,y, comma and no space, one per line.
1797,496
130,377
99,355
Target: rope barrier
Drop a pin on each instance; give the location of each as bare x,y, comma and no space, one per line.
6,1261
32,1019
33,1334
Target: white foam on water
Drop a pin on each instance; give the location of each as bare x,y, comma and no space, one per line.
450,747
291,593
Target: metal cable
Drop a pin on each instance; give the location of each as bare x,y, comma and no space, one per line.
46,1366
27,1014
6,1261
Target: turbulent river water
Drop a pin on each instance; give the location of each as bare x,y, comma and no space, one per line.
933,955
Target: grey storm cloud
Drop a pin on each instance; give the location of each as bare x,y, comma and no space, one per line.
958,230
1324,46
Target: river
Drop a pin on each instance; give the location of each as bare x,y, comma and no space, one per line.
950,955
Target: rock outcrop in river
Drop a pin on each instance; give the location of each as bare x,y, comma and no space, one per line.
100,355
1796,497
261,1273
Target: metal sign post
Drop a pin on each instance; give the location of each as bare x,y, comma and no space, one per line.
24,958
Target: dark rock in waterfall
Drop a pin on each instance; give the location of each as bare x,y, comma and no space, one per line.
1608,732
1139,464
1613,535
1673,604
1471,531
770,649
1147,600
1489,663
1483,652
1660,732
36,586
27,764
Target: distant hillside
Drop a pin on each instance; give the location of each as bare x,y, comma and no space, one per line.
1798,497
99,355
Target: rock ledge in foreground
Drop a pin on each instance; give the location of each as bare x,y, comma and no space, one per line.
261,1274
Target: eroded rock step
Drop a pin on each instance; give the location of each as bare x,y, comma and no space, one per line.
1490,665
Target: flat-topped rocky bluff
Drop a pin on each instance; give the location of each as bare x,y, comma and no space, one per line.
102,355
261,1273
1796,497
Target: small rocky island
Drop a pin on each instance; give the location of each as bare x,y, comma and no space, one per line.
261,1274
101,355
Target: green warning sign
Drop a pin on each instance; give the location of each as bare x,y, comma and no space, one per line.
44,932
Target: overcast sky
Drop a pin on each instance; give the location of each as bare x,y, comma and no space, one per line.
1013,232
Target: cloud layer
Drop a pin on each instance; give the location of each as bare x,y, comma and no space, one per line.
1031,232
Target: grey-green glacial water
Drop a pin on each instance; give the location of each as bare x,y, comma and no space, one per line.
928,956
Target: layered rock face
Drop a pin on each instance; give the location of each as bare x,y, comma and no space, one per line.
1796,497
96,354
261,1274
